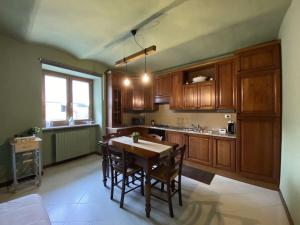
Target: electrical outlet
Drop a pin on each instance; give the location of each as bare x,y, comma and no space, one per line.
227,116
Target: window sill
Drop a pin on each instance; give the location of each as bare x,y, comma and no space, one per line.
68,127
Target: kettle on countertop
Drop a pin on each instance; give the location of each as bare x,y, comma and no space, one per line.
230,127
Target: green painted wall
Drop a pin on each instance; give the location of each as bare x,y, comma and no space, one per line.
20,89
290,166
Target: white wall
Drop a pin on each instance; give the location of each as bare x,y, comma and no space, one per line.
290,161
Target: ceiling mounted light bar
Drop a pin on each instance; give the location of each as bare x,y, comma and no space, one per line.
147,51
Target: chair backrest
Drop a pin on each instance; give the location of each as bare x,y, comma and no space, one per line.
176,159
117,158
154,136
104,143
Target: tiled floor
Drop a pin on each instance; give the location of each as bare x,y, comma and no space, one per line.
73,194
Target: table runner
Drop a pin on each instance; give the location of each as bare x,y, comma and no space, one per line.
148,145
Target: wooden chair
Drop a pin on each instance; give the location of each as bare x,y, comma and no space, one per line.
166,172
105,161
121,164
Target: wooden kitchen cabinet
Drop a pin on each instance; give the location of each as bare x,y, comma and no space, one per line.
206,95
259,112
224,154
190,93
114,98
199,96
127,93
259,93
149,104
226,85
138,96
200,149
162,88
176,97
258,155
175,137
261,57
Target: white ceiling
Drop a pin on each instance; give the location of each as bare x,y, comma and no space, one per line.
183,30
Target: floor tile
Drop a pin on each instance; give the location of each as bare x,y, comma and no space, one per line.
73,194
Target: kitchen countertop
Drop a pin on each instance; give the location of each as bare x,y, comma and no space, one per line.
182,130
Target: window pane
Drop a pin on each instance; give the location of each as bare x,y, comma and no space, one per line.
81,99
55,98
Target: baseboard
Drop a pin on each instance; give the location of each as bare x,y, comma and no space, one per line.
291,222
9,182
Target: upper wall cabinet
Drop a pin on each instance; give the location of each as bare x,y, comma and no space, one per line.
206,95
138,96
176,98
261,57
258,79
226,85
162,88
258,93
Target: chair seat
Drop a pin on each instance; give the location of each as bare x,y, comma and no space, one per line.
163,173
132,169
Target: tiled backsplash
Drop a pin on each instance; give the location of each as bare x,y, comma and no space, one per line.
207,120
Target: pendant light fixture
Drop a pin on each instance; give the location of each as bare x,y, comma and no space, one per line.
144,52
145,77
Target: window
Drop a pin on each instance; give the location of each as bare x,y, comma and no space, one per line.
66,97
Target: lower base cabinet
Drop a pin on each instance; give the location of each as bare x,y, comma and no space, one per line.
200,150
258,143
175,137
224,154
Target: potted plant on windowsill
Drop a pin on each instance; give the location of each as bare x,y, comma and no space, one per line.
135,137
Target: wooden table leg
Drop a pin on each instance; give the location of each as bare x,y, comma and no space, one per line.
148,187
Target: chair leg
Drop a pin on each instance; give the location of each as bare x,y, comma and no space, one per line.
123,190
107,169
116,177
104,171
142,183
133,179
179,191
112,185
170,199
173,185
162,187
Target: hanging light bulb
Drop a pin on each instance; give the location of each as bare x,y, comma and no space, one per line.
126,82
145,78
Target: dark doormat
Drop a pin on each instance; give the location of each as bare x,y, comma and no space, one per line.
197,174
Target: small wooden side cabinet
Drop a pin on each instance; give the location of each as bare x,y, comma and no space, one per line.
26,160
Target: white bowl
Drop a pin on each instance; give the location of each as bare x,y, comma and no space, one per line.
199,79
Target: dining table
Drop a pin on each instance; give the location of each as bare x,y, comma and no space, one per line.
145,152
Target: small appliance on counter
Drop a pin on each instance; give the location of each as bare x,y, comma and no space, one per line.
230,127
138,121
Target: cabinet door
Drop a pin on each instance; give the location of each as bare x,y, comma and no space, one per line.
206,95
190,96
200,150
226,85
258,153
127,98
162,88
224,154
149,97
176,98
137,95
259,58
175,137
259,93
